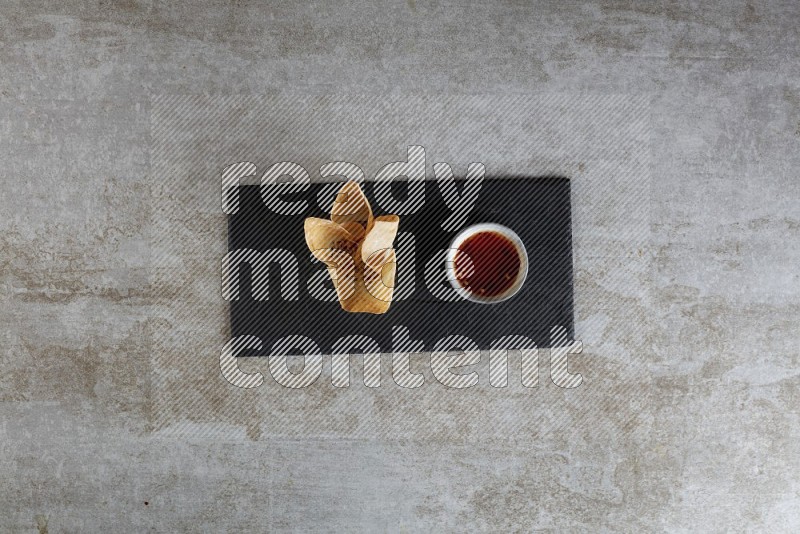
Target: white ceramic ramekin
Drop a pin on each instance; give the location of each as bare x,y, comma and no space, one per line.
470,231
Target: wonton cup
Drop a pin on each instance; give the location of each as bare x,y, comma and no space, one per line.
357,248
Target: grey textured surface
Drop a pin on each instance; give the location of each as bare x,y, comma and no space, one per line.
601,142
715,447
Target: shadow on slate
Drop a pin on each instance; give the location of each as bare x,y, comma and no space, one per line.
538,209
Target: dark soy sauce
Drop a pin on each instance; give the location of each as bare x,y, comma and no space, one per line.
495,264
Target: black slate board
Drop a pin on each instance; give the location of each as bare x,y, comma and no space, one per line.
538,209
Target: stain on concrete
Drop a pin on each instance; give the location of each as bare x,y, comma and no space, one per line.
41,524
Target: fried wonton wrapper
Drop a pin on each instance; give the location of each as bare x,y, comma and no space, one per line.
322,234
381,237
380,281
351,206
357,248
356,231
334,246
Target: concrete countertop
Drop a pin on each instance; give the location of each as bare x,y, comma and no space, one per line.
707,440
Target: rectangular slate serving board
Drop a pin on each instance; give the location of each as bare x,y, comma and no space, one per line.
537,209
